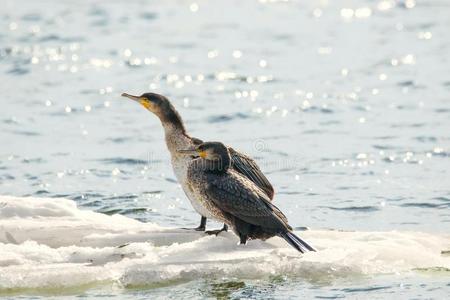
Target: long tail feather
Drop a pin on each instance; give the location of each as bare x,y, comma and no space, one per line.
293,243
305,244
296,242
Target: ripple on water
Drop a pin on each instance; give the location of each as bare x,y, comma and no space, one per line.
148,15
366,289
37,160
426,139
119,140
122,197
7,177
32,17
31,177
365,209
10,121
442,110
92,200
445,199
384,147
426,205
123,161
228,117
41,193
60,195
317,109
140,213
18,70
26,133
441,153
58,38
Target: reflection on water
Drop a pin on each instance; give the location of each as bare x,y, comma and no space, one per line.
224,290
344,105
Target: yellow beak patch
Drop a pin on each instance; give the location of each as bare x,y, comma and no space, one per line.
145,103
202,154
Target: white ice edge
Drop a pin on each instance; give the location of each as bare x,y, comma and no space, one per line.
50,243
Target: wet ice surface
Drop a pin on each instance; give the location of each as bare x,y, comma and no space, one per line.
58,247
344,105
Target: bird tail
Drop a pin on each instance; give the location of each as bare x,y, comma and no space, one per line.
296,242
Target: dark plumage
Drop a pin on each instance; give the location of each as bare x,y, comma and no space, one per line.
247,167
177,137
235,199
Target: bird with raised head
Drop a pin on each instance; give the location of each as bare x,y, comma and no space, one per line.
177,137
233,198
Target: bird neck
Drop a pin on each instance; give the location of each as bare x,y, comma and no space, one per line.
176,138
175,132
171,121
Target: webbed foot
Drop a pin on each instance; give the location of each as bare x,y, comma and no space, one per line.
217,231
201,227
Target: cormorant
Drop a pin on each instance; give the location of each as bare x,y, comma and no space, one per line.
233,198
177,138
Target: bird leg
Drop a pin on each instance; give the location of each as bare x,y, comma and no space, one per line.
201,227
217,231
242,239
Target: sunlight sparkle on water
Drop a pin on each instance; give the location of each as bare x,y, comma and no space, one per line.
213,53
424,35
262,63
317,12
193,7
385,5
410,3
237,54
408,59
13,26
324,50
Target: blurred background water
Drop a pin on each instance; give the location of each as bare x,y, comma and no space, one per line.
344,104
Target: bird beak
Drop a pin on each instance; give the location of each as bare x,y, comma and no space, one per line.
188,152
134,98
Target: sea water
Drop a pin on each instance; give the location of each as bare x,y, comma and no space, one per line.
344,105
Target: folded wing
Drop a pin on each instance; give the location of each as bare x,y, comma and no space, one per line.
241,198
248,167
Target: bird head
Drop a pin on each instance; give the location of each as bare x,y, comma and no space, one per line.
215,153
153,102
160,106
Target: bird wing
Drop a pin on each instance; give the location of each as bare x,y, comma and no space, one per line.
240,197
248,167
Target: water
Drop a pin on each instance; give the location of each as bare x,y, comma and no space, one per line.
343,104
